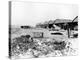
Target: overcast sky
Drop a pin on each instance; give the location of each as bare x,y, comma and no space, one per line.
29,13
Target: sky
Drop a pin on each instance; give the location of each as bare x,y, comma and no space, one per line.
31,13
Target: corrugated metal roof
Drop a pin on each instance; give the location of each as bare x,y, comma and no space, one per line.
66,20
62,21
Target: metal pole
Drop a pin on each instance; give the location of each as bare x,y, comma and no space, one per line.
75,18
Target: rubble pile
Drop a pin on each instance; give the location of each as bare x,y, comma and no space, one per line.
24,45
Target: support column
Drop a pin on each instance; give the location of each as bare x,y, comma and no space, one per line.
68,30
